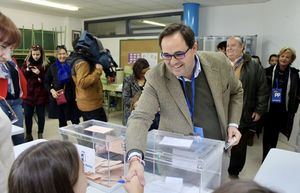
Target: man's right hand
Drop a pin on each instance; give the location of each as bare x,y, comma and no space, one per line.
134,186
136,170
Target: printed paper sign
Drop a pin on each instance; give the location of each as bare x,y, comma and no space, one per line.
87,156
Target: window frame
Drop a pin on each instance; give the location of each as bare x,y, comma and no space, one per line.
127,19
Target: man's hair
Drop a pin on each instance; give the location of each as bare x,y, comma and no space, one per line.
237,38
9,34
48,167
222,45
272,55
186,32
242,186
139,65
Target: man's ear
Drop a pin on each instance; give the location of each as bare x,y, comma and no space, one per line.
195,46
243,48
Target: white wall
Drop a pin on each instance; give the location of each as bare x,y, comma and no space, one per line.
232,20
281,27
275,23
26,19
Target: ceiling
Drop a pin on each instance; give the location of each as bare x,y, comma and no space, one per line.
106,8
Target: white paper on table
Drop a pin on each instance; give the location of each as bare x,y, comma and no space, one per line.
171,141
179,159
160,186
193,189
87,156
98,129
175,183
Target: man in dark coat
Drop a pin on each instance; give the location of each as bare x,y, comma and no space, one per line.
256,95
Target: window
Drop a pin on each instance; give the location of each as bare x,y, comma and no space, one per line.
153,25
108,28
132,26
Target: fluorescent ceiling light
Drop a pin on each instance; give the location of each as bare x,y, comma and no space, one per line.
52,4
153,23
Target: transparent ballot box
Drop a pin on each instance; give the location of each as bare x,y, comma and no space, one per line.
182,164
101,148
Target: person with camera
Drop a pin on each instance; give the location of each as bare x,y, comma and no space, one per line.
86,73
34,69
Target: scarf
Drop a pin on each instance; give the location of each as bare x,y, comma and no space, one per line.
238,62
63,72
5,74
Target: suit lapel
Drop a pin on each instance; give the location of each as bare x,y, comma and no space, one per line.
177,94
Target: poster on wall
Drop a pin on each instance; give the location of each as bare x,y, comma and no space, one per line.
151,58
132,57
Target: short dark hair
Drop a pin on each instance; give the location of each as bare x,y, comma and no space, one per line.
242,186
48,167
222,45
272,55
63,47
186,32
256,58
139,65
10,35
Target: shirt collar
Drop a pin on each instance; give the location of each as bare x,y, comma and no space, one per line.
236,60
197,70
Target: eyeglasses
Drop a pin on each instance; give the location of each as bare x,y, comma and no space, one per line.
177,55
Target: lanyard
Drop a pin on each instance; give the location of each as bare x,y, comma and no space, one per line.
276,83
191,104
286,78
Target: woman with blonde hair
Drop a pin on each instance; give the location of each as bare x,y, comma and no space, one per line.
34,69
283,82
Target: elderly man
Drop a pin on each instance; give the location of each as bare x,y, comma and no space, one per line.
256,97
196,94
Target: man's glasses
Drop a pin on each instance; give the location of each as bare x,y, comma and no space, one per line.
177,55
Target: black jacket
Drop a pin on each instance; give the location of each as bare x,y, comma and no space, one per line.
256,93
51,81
293,96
